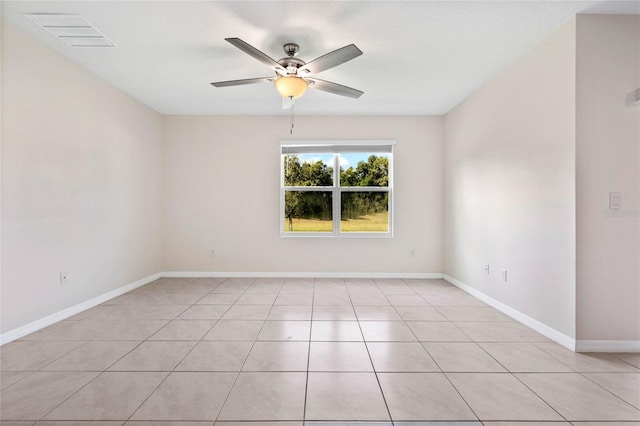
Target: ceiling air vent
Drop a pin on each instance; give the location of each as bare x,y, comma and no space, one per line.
74,30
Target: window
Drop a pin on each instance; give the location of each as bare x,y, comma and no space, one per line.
336,189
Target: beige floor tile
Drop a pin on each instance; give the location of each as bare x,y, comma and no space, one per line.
577,398
605,423
110,396
625,386
29,356
331,299
376,313
266,397
184,330
187,396
137,312
298,286
257,299
472,313
419,313
335,331
462,358
260,424
333,313
500,396
216,356
154,356
157,299
131,329
290,313
329,284
437,331
8,378
278,356
247,312
406,300
92,356
587,362
524,358
455,298
160,423
266,285
397,290
35,395
230,288
400,357
285,330
386,331
528,424
71,330
234,330
77,423
294,299
339,356
204,312
423,396
368,298
631,358
344,396
219,299
499,332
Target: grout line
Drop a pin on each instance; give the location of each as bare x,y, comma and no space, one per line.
539,397
178,363
384,398
306,383
601,386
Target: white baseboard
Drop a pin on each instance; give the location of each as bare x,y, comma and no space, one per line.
381,275
607,345
545,330
34,326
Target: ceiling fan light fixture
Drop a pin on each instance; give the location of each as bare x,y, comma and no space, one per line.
291,87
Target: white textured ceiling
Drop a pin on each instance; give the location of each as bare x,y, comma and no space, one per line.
420,57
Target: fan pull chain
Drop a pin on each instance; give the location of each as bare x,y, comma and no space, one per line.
293,104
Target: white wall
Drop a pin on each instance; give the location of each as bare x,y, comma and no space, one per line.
509,188
81,183
221,192
607,156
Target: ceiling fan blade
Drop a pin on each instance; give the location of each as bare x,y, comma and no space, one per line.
335,88
332,59
241,82
252,51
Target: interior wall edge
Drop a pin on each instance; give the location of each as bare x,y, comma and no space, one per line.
542,328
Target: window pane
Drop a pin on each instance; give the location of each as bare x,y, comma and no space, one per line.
364,212
308,170
308,211
364,169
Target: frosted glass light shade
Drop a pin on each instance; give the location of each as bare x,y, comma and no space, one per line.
291,87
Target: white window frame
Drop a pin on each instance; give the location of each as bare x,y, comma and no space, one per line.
336,147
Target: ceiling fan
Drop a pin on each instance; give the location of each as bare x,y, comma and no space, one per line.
293,75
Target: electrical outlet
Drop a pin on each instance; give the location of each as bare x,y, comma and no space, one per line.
503,275
486,269
64,277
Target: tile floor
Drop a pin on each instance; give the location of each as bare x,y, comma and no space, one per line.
303,351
